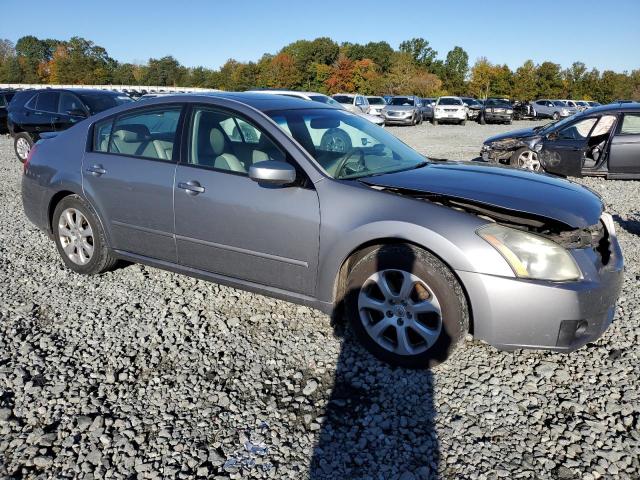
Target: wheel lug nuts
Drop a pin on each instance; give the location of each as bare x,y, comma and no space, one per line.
389,313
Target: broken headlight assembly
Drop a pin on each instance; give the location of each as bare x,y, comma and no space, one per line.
531,256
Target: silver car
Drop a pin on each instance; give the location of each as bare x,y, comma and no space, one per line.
315,205
354,102
554,109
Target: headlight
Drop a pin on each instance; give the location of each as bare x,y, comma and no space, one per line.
537,147
531,256
509,111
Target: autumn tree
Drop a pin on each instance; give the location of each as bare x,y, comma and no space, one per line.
341,77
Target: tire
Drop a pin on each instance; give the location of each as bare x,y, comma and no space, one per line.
483,121
83,219
22,143
555,116
435,122
336,140
532,164
463,122
431,285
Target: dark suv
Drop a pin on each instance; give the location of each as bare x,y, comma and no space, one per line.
5,98
33,112
496,110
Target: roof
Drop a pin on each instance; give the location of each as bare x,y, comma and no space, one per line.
613,107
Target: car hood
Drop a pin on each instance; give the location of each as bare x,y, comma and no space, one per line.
522,133
502,188
399,108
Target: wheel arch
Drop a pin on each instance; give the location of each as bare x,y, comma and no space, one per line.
360,251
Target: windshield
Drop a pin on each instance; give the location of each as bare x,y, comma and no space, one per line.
376,101
346,145
324,99
343,98
555,125
449,101
98,102
497,103
406,101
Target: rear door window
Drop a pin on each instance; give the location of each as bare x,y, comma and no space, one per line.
47,102
630,124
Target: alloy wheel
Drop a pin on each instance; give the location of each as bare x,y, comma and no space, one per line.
528,160
400,312
76,236
23,148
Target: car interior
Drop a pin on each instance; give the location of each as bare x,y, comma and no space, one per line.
598,139
228,143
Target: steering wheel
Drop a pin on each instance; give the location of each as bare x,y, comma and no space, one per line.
343,161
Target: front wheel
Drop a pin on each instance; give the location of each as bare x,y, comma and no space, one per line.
22,144
483,121
79,237
463,122
406,306
435,122
526,159
556,115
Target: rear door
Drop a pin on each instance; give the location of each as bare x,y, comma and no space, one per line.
128,175
564,151
624,153
41,110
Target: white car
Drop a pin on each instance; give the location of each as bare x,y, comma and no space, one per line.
450,109
321,98
376,104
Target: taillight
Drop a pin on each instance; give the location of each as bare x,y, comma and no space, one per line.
26,162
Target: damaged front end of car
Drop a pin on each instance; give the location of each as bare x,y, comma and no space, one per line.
500,151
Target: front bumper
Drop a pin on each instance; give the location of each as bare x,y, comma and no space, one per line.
511,313
398,120
497,117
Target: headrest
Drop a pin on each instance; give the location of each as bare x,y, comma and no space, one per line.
216,139
132,133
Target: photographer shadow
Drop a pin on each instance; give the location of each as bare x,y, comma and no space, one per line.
379,422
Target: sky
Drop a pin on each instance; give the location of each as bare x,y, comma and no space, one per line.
602,34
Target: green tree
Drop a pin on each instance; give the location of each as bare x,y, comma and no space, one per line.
380,53
420,51
165,71
573,79
549,80
307,53
455,70
32,52
525,82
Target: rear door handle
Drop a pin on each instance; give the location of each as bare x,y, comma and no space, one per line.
96,170
191,187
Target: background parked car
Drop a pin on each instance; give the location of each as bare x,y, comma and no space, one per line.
450,110
354,102
321,98
522,110
403,110
602,141
427,108
554,109
594,104
474,107
5,98
496,110
33,112
376,104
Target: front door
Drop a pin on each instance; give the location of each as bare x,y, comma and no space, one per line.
564,150
230,225
624,154
129,175
70,111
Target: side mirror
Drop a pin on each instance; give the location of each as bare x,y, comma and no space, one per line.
552,136
273,172
77,113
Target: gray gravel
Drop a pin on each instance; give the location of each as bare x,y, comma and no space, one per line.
141,373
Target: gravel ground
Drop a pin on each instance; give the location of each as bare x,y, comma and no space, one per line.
140,373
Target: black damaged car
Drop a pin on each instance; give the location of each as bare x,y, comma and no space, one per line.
602,141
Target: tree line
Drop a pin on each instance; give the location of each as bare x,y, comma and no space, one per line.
320,65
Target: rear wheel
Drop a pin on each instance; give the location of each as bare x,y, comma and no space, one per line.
406,306
22,143
80,238
556,115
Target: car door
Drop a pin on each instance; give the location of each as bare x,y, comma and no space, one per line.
40,112
229,225
128,176
70,111
563,150
624,153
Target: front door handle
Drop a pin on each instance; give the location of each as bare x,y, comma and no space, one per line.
96,170
191,187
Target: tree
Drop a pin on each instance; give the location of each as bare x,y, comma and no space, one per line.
399,79
420,51
549,81
426,84
279,72
165,71
32,52
341,77
380,53
306,54
524,82
365,77
455,70
573,80
481,76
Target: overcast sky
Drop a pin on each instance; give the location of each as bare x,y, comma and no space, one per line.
602,34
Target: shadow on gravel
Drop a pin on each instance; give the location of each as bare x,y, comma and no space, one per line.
631,225
380,420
